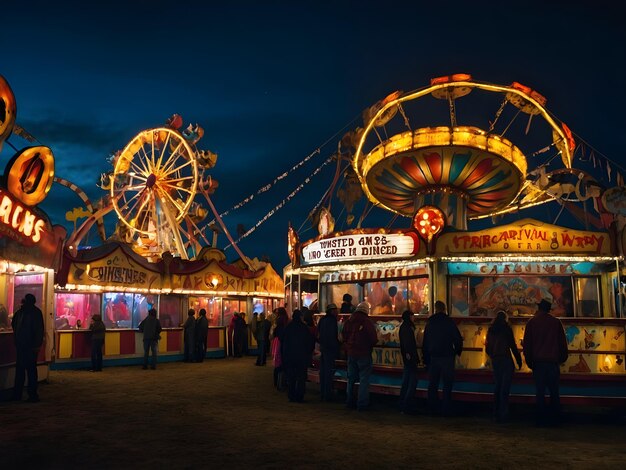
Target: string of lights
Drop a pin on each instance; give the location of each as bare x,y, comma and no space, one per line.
282,203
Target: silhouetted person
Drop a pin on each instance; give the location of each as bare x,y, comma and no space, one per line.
500,345
262,335
297,344
28,331
239,335
359,334
276,333
201,333
328,337
442,341
408,348
545,347
189,336
151,329
98,331
346,304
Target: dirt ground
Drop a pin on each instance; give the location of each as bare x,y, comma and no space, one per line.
226,413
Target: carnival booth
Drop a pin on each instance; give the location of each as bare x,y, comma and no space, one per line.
30,247
122,286
159,256
443,178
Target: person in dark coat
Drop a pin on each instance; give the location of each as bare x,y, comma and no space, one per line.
262,335
328,337
151,329
442,341
408,348
359,334
28,331
239,335
346,304
98,331
201,332
500,345
189,336
296,346
545,347
253,324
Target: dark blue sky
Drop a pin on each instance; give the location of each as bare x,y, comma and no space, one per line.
272,81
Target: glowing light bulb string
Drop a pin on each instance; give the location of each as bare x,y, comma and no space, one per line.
282,176
281,204
610,164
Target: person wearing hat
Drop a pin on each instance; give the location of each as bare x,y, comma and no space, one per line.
328,337
545,348
28,331
360,336
442,341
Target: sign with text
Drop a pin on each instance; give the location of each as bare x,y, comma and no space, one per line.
116,269
528,236
360,247
547,268
367,274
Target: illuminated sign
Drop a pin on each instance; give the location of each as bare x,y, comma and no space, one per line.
18,222
115,269
30,174
365,274
546,268
362,247
116,274
528,237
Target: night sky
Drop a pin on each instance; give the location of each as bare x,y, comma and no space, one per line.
271,82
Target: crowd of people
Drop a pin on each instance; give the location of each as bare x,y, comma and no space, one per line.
291,344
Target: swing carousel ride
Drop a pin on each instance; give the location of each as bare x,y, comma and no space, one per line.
462,173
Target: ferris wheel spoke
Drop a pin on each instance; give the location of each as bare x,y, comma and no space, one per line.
173,159
128,210
177,180
175,203
165,145
176,188
188,162
139,170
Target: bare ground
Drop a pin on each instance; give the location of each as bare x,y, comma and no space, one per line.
226,413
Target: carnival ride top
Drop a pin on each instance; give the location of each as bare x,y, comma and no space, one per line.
464,170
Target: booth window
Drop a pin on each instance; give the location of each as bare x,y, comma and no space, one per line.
213,307
123,310
170,311
74,311
587,297
28,284
517,295
392,297
230,307
333,294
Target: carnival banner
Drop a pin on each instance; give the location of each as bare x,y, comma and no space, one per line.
526,236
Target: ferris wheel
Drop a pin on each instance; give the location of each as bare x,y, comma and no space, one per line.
152,189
